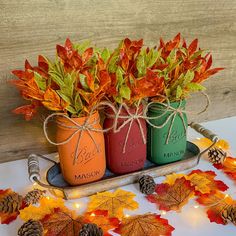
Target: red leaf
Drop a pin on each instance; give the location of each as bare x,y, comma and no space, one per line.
68,44
27,110
192,47
88,53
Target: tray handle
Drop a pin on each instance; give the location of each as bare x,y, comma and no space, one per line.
205,132
34,172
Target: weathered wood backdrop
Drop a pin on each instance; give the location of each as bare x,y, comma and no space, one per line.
28,28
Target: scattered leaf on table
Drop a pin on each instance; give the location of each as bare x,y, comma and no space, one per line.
102,219
10,204
46,206
114,202
216,204
172,197
62,223
204,182
144,225
170,179
205,142
200,183
228,167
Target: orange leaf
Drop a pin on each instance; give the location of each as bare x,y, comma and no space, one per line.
216,204
204,182
102,219
145,225
172,197
62,223
52,100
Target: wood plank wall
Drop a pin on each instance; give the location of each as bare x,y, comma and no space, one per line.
28,28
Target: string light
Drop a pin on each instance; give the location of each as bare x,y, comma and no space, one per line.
163,212
92,214
126,215
77,205
196,206
48,197
34,184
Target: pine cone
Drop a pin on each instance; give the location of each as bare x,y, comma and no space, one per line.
216,155
33,196
147,184
11,203
31,228
229,214
90,230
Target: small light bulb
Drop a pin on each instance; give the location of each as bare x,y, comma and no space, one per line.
48,197
198,138
92,214
226,195
196,206
219,146
34,184
77,205
163,212
126,215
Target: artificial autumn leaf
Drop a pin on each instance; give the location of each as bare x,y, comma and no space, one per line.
205,142
62,223
216,204
204,182
170,179
114,202
228,167
46,206
10,204
102,219
172,197
145,225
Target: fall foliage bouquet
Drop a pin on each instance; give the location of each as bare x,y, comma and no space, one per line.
183,68
130,86
69,86
73,83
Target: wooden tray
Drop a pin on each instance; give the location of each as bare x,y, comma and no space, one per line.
60,188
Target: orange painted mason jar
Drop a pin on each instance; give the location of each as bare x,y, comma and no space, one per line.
89,165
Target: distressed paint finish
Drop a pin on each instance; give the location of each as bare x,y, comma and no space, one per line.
28,28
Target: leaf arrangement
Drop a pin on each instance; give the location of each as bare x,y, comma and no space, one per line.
81,76
11,203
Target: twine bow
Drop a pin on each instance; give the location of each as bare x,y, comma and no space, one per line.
77,128
129,119
180,111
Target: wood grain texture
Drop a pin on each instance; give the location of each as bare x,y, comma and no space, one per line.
29,28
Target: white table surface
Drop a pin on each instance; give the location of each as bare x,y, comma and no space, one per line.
190,221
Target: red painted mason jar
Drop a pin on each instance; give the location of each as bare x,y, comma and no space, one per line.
134,157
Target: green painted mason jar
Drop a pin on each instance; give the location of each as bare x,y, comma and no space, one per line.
167,144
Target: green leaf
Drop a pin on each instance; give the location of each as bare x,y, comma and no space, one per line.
178,92
64,96
105,54
112,67
81,47
125,92
83,81
119,76
71,110
118,99
194,87
188,78
141,64
40,81
155,55
78,103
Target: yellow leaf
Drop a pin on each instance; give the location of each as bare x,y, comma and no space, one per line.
201,183
170,179
46,206
114,203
